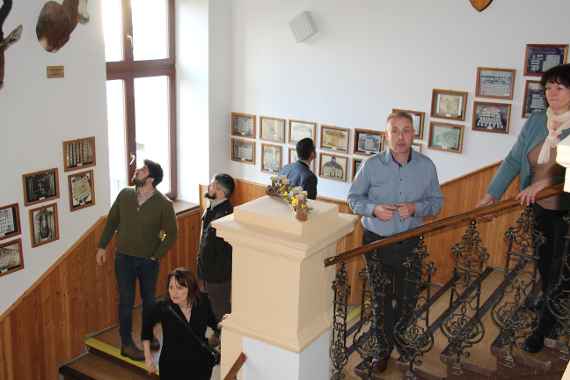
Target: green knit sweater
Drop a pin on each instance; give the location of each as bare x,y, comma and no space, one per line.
145,231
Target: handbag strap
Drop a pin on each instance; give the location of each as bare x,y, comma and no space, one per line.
192,333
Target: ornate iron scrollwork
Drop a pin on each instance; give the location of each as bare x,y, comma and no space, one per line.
338,351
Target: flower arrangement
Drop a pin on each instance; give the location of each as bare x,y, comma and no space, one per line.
296,197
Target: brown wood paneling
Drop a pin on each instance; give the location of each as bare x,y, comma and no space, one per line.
45,327
460,195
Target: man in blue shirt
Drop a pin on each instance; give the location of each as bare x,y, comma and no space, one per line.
299,173
393,191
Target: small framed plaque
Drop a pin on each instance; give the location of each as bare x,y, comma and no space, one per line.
367,141
418,118
243,125
78,154
40,186
299,130
495,83
11,257
534,98
9,221
81,190
243,151
491,117
44,224
541,57
333,167
271,158
272,129
446,137
335,138
448,104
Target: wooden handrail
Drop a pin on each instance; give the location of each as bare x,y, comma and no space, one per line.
438,225
232,373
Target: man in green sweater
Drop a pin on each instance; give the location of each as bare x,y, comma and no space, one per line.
146,228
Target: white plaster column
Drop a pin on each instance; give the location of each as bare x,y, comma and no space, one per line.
281,291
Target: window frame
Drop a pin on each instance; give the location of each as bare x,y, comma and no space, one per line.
128,70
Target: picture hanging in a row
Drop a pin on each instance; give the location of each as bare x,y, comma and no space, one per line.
11,257
9,221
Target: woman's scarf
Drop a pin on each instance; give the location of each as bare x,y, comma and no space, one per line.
555,125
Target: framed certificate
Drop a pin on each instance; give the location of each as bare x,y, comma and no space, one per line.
44,224
9,221
448,104
299,130
446,137
243,151
11,257
333,167
491,117
534,98
335,138
271,158
495,83
40,186
272,129
79,153
81,190
541,57
243,125
367,141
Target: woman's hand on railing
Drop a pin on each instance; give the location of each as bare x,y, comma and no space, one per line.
528,195
487,200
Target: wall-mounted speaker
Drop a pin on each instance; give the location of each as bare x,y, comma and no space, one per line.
303,26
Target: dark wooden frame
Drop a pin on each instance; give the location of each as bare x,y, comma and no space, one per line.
263,146
313,163
127,70
513,73
91,182
345,179
32,228
474,117
21,266
446,125
235,115
436,92
283,126
357,132
545,46
336,149
18,228
525,99
68,153
422,115
232,152
313,124
354,159
27,201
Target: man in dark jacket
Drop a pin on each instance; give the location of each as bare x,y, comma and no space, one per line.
215,255
298,173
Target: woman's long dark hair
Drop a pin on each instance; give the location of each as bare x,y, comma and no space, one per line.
185,278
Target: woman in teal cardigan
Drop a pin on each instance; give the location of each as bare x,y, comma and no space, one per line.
533,158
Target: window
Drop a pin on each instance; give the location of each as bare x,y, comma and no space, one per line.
141,89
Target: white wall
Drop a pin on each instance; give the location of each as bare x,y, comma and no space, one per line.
373,55
37,114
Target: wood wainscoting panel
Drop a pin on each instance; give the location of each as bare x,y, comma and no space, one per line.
46,326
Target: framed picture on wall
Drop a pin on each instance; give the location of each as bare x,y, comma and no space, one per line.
446,137
541,57
272,129
335,138
293,158
243,125
11,257
44,224
448,104
367,141
333,167
491,117
9,221
356,165
534,98
40,186
495,83
271,158
81,190
79,153
299,130
418,118
243,151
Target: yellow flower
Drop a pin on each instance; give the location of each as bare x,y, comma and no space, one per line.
294,202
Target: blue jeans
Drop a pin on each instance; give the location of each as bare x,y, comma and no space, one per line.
128,269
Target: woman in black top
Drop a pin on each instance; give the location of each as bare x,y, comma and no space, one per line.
182,356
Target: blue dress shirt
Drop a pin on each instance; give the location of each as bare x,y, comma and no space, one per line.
382,180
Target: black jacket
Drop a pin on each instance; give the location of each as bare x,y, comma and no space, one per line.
215,255
299,174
